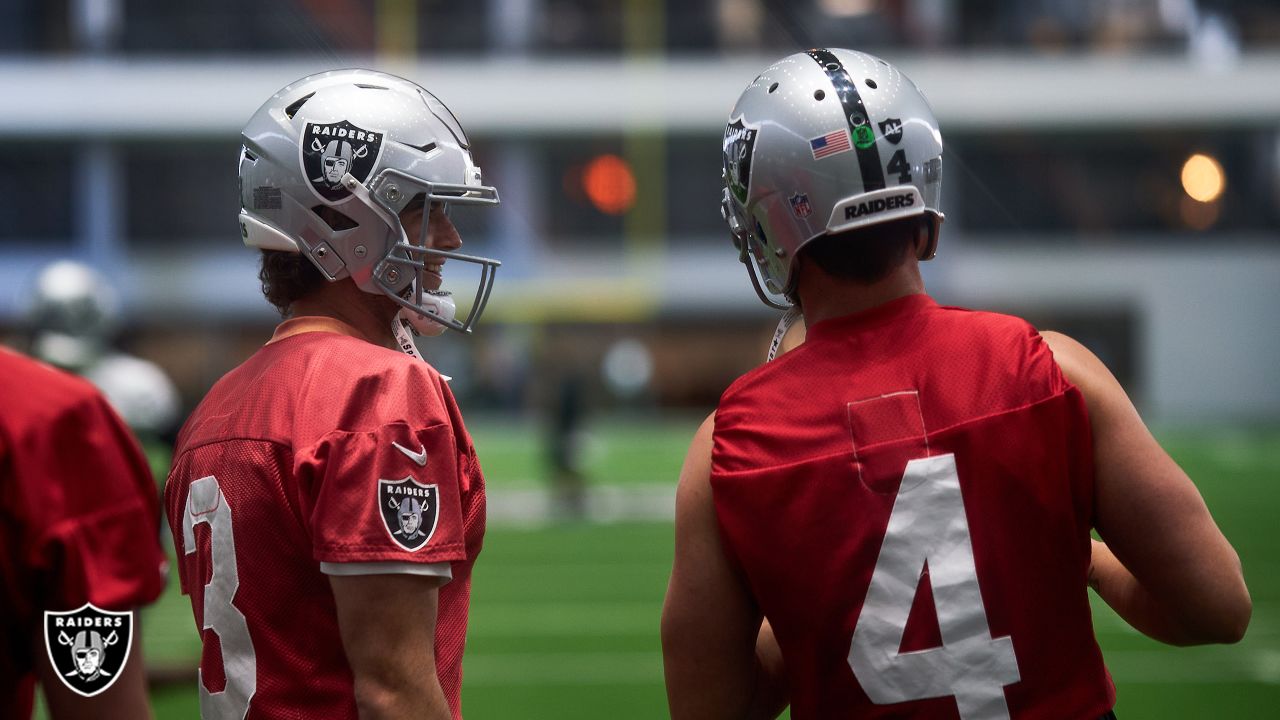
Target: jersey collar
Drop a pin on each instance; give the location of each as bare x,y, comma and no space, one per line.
874,317
313,323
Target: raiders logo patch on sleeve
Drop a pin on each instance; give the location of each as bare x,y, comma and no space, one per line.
410,511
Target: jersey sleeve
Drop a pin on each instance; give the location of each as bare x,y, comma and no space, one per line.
388,495
98,540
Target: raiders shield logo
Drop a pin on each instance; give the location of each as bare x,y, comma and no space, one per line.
891,129
88,647
739,144
333,150
409,511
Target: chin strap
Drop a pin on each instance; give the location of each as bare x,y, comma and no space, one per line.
403,331
441,310
788,319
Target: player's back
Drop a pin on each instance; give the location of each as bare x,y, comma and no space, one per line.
909,495
282,471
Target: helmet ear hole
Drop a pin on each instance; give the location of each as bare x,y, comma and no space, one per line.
819,94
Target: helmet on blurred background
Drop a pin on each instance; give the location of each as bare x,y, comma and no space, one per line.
74,312
73,317
823,142
363,144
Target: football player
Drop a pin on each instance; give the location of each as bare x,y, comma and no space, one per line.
74,314
79,523
908,494
316,596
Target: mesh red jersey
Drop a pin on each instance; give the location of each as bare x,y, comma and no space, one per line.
79,517
303,455
909,495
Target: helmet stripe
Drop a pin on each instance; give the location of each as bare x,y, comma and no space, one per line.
854,110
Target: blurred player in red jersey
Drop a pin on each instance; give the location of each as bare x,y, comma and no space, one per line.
908,495
325,500
79,523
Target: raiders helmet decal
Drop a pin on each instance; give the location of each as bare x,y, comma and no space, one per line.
331,150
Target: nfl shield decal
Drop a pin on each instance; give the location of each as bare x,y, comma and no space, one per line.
800,205
409,511
332,150
739,144
88,647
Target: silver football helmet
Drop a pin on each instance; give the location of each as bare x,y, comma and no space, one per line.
74,312
364,144
822,142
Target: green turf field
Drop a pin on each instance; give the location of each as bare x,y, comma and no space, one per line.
564,618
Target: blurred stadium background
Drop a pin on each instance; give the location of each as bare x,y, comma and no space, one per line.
1113,171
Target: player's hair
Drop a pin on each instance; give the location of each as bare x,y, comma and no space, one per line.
864,255
286,277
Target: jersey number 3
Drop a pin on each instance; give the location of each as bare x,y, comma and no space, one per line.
207,504
928,525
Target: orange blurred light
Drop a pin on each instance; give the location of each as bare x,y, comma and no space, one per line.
1203,178
609,184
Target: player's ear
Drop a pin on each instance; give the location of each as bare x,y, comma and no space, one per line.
926,238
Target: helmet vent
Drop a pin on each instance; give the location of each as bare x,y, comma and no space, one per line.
772,88
297,105
362,86
249,156
870,83
819,94
334,219
427,148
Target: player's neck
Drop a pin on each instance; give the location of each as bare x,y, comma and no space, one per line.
823,297
368,315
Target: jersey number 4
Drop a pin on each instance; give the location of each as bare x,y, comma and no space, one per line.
207,504
928,525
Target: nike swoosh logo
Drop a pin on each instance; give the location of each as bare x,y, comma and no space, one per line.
419,457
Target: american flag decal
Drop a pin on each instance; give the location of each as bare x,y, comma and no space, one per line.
830,144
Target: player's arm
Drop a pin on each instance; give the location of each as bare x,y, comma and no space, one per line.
388,628
710,624
1165,567
770,697
126,699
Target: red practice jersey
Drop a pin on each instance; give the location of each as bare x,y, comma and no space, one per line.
79,517
321,448
909,496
